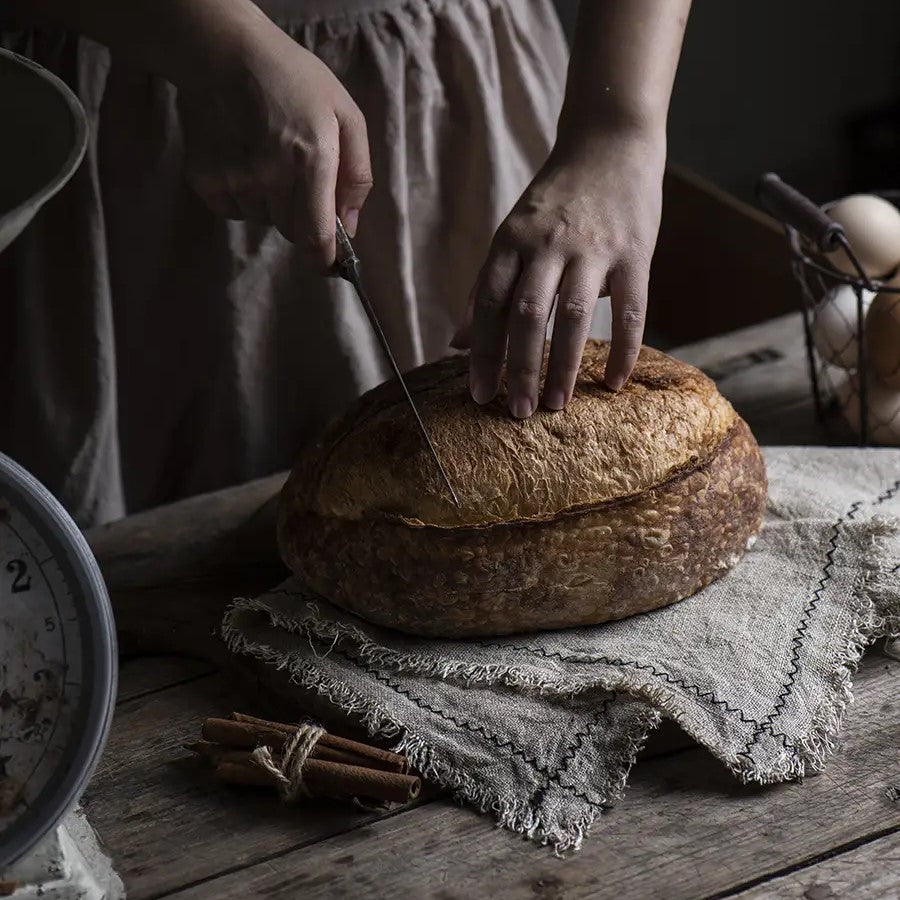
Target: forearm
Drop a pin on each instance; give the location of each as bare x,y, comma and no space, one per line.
189,42
623,65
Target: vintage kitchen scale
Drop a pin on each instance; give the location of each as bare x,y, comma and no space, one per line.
57,638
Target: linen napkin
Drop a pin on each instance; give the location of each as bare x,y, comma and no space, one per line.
542,729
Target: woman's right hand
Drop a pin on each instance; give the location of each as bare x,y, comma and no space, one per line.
275,138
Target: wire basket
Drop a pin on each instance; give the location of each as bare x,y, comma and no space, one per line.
850,401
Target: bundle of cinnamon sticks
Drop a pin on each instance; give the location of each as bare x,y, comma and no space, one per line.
336,767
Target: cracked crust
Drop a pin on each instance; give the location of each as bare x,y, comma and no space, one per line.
568,542
604,446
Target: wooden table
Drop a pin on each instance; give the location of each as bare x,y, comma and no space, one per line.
685,828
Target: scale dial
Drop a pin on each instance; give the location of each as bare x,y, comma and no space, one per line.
57,662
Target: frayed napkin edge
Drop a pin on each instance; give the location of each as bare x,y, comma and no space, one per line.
516,816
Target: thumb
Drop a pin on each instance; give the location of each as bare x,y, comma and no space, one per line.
354,179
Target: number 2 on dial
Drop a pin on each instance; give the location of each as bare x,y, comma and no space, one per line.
21,578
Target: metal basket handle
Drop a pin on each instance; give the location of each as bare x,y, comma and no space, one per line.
788,205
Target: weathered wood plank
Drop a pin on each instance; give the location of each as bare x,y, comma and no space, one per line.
685,829
870,872
164,819
145,674
231,528
762,370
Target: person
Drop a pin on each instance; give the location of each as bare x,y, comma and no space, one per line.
173,331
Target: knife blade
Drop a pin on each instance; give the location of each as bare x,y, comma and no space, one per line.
347,267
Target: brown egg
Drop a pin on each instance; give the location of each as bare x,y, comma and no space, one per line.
872,225
883,405
883,338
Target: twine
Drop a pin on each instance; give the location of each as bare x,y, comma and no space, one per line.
289,774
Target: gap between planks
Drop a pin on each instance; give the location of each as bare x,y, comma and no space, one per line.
858,870
141,676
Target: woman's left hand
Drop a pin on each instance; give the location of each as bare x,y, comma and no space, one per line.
585,228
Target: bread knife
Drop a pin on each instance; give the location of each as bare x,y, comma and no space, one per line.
347,267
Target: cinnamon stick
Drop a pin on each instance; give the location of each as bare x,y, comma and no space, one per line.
375,757
244,774
219,753
241,735
216,753
329,779
336,780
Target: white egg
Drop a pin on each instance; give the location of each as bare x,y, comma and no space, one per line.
872,225
883,338
835,326
884,409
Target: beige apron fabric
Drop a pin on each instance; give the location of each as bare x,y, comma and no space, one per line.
160,352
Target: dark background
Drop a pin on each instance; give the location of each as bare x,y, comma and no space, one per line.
806,88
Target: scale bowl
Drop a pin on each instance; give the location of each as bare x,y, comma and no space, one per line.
44,136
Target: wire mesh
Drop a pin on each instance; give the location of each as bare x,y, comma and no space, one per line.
855,402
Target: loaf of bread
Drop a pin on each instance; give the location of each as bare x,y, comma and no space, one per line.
619,504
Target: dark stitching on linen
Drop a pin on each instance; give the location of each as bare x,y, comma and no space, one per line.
499,743
803,626
803,629
888,494
646,667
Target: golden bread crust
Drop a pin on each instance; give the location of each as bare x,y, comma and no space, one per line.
373,462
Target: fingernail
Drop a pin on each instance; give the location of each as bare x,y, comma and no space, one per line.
521,407
351,220
480,392
554,398
614,382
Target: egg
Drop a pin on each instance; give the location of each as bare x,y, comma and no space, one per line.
835,325
872,225
883,338
884,409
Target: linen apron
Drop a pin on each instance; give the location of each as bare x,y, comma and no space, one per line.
154,351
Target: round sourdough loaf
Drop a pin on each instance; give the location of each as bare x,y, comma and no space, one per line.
619,504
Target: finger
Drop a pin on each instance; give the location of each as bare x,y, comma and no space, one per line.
354,177
489,319
628,296
528,316
578,292
314,208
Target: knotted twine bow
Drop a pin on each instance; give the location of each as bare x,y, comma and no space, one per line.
289,774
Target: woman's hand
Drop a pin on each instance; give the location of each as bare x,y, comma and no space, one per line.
585,227
270,133
277,139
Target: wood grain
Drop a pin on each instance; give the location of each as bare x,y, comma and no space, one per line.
211,533
762,370
685,829
869,872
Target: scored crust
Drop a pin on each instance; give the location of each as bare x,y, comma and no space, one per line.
604,446
618,559
620,504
